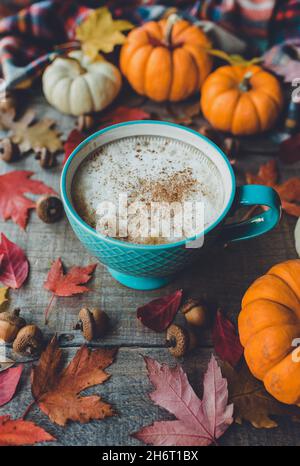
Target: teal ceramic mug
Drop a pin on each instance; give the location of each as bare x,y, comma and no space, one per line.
147,267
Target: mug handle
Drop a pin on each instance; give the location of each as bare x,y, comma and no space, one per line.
259,224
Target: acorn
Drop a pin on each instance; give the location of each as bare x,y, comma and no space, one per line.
10,324
93,323
29,340
195,311
49,208
9,152
85,122
180,340
46,158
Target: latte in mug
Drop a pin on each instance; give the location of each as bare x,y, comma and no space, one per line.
157,181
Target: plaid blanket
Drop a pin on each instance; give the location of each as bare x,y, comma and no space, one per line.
30,38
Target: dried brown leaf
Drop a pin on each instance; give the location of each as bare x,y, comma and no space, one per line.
57,391
252,402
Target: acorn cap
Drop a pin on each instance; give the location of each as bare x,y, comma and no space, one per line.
93,323
49,208
178,339
195,312
189,304
29,340
86,323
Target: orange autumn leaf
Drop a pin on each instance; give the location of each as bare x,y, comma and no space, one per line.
289,191
19,432
57,390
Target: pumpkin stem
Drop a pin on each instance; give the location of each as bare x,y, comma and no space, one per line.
80,69
172,19
245,84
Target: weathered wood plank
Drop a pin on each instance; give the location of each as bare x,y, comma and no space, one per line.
127,391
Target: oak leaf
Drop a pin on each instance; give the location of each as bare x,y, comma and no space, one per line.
159,313
57,391
13,203
252,402
99,32
289,191
9,380
19,432
198,422
68,284
14,266
225,340
30,134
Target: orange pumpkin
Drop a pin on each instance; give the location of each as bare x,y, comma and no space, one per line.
269,326
166,60
241,99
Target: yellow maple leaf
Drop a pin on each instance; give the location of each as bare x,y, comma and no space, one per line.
99,32
3,298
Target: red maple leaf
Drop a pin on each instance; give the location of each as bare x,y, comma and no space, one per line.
9,380
289,191
159,313
73,140
13,204
226,341
122,114
20,432
68,284
198,422
14,266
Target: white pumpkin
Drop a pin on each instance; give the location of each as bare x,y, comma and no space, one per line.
75,85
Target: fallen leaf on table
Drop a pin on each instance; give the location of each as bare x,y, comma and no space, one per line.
160,313
13,203
30,135
198,422
225,340
3,290
73,140
289,149
122,114
57,391
289,191
68,284
252,402
99,32
18,432
14,267
9,380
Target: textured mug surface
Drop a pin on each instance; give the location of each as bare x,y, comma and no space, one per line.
145,267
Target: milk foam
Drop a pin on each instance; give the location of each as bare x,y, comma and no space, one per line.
147,169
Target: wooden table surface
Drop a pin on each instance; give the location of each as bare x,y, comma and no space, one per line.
224,275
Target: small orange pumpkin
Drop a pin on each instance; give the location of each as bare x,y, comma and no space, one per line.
166,60
241,99
269,326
